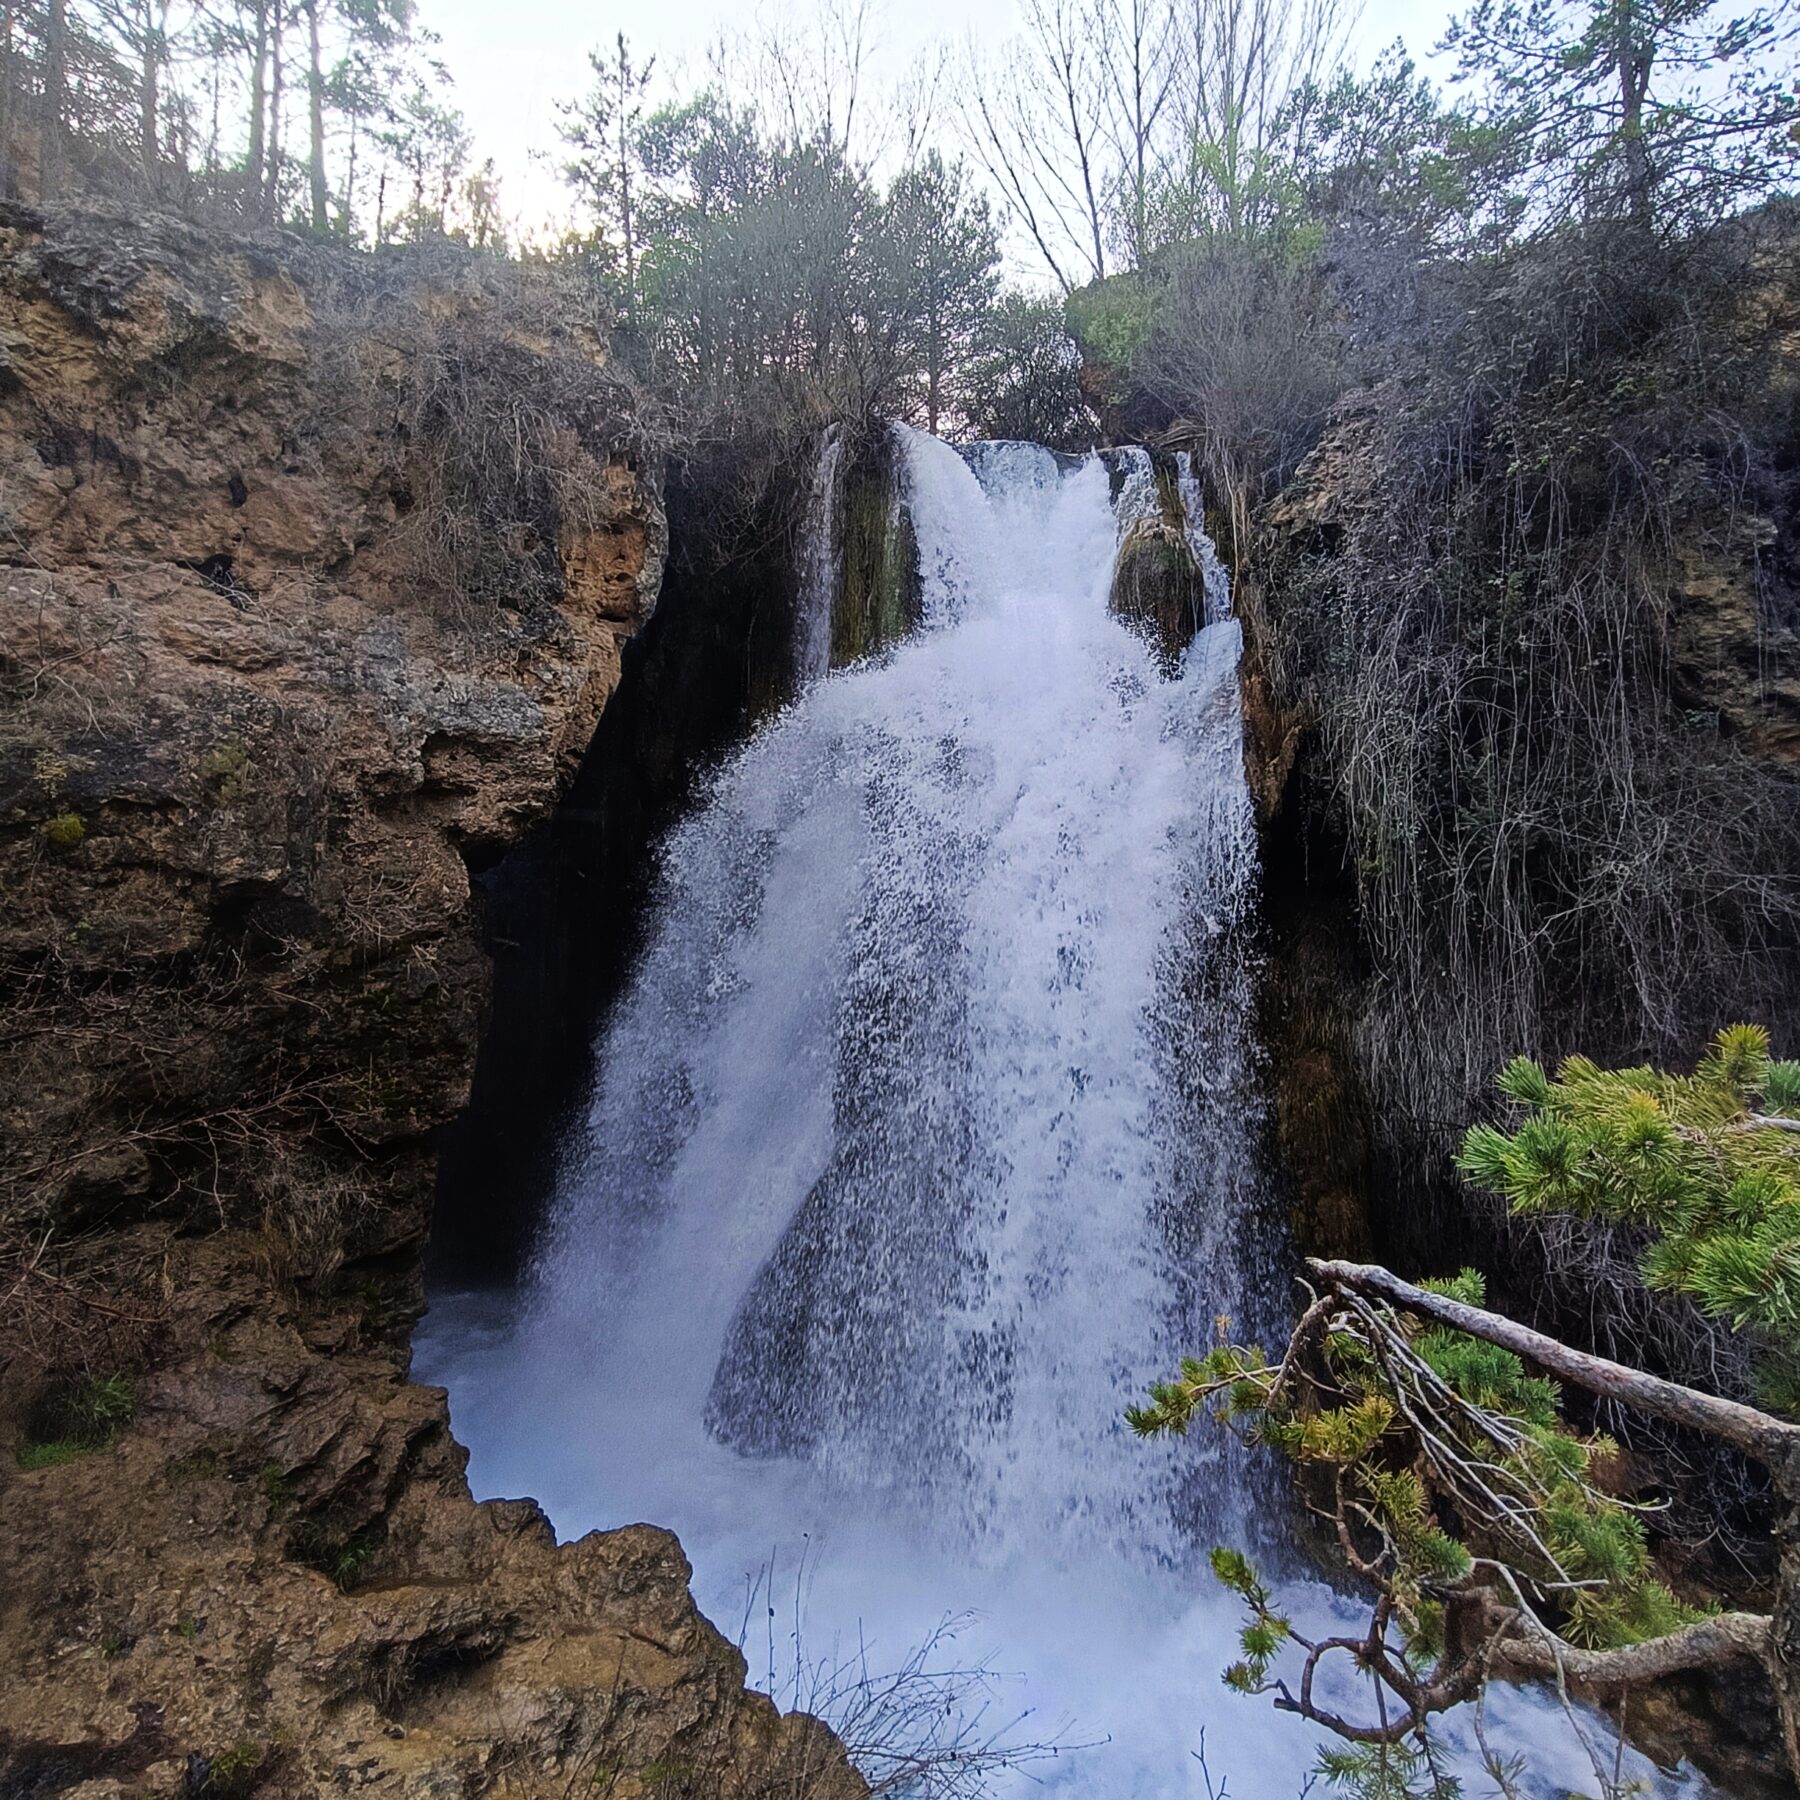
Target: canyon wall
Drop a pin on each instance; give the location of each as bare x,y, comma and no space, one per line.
315,577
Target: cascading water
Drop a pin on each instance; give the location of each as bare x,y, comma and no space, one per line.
921,1142
1215,582
818,561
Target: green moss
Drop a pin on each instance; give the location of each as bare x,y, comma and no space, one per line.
878,600
225,768
1110,320
64,831
87,1416
275,1489
235,1771
1158,591
49,1454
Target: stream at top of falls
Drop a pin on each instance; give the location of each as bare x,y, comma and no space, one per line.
922,1140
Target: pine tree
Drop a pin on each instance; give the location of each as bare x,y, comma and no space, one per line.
1423,1430
1632,106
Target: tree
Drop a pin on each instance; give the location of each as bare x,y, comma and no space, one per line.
429,142
50,119
360,89
375,33
1242,109
1038,127
142,28
1025,377
1142,75
939,257
1445,1468
1640,106
1384,158
601,131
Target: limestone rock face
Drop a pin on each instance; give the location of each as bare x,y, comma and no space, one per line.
314,577
276,1583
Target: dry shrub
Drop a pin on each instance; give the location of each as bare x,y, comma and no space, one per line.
74,1307
1554,847
1245,342
492,384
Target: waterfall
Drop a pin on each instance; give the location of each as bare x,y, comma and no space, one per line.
921,1141
898,1085
1215,581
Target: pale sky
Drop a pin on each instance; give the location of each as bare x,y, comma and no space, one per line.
513,59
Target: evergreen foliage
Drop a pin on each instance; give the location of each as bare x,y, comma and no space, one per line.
1489,1526
1706,1164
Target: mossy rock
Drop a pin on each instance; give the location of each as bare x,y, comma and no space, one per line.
1158,590
64,831
878,601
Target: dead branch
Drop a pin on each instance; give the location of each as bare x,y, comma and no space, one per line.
1757,1434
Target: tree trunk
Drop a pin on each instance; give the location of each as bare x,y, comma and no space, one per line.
56,39
348,218
272,197
1633,61
9,175
315,107
212,137
151,22
1759,1435
253,172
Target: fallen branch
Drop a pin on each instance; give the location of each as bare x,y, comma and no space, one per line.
1757,1434
1703,1645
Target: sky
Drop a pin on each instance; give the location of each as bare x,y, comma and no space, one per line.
512,60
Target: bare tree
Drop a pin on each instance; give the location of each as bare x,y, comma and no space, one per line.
1246,66
1039,127
1141,75
805,80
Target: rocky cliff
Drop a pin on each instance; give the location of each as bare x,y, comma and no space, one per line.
314,578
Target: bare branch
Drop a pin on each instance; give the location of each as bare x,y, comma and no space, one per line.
1757,1434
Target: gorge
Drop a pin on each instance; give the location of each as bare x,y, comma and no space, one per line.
940,977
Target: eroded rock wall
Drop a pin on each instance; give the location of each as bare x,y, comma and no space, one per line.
314,579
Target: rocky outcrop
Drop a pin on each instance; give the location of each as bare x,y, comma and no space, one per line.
275,1582
316,575
877,599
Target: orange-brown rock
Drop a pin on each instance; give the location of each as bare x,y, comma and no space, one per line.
314,578
275,1582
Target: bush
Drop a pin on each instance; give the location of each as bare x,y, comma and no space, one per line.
1245,342
1552,844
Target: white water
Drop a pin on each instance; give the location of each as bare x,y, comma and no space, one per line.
920,1144
1216,583
818,562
